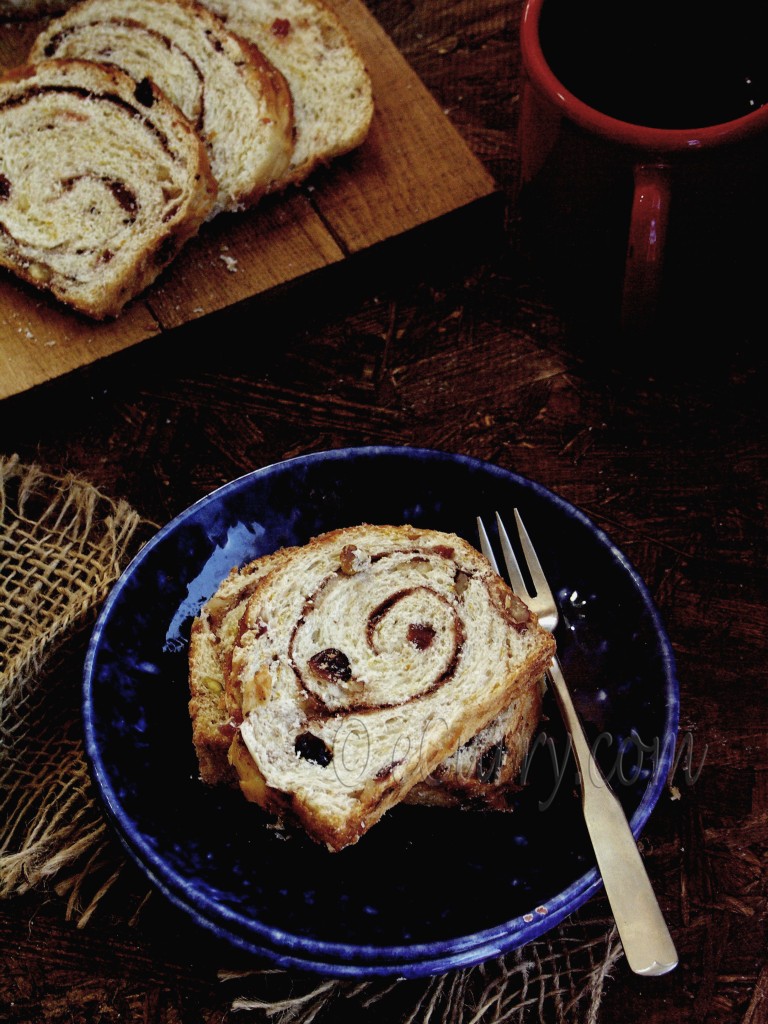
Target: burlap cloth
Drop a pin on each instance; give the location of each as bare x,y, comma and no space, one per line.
62,546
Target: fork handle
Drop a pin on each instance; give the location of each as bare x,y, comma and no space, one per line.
645,937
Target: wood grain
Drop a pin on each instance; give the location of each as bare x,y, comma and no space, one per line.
414,168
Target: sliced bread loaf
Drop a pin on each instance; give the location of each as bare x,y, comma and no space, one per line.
101,182
363,660
237,100
331,88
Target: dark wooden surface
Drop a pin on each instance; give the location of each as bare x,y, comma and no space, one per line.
463,341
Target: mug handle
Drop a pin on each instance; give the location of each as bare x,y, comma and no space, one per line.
645,246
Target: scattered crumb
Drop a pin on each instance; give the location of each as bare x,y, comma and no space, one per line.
230,263
198,309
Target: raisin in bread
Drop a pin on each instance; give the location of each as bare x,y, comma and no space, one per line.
331,88
100,183
239,103
483,774
363,661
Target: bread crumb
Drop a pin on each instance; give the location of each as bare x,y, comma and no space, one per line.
229,262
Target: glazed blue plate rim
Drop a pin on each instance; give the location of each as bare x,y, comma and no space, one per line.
461,955
338,957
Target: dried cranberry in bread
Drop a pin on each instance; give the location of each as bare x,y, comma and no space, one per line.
78,218
331,88
365,659
239,103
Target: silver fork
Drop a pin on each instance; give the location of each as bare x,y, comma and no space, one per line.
644,934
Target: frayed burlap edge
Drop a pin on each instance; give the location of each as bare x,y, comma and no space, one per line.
558,979
62,546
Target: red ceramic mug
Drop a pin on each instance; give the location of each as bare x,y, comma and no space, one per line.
672,105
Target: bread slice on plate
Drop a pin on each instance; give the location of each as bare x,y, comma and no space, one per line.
361,663
101,183
483,774
237,101
331,88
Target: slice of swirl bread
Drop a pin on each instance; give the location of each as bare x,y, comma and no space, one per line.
239,103
364,660
483,774
331,88
100,183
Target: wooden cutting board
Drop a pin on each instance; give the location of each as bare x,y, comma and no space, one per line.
414,168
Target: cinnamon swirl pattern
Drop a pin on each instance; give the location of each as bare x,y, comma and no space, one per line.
238,102
360,666
80,215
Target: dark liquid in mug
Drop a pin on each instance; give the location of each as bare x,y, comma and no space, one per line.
663,64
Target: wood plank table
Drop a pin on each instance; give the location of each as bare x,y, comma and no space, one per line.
395,300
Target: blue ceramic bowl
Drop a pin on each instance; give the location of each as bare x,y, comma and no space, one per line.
426,890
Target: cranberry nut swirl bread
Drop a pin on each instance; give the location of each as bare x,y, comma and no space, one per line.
331,88
362,662
238,102
482,774
101,182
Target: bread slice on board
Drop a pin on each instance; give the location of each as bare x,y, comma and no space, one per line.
363,661
238,102
101,183
331,88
